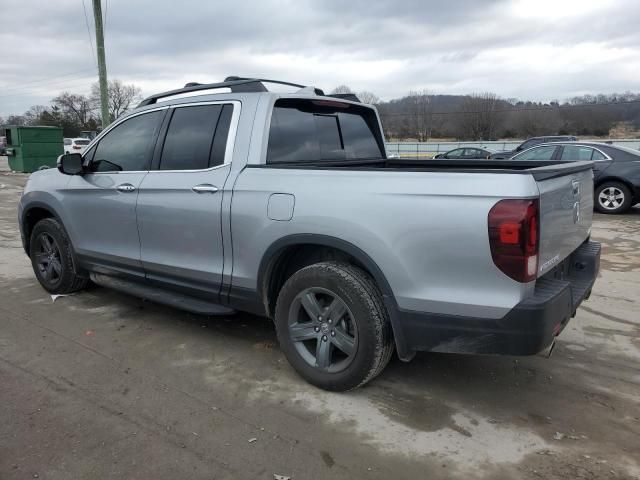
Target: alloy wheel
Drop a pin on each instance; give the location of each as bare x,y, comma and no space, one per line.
611,198
47,259
323,329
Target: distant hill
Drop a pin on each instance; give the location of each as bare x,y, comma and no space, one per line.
487,117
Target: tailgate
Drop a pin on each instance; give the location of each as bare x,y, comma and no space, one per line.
566,210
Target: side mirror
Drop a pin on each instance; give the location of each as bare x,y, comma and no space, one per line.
70,164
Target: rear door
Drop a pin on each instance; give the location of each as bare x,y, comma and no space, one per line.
574,153
566,211
473,153
180,200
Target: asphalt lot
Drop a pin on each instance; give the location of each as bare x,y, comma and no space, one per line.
102,385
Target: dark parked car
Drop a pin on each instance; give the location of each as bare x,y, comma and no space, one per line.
532,142
616,170
466,152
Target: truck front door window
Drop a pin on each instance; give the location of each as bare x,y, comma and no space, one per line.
127,147
538,153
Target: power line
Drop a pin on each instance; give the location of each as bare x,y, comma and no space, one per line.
44,80
515,109
86,22
28,92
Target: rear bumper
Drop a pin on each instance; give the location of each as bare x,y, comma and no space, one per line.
529,328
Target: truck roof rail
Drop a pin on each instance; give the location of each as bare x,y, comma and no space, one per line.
236,84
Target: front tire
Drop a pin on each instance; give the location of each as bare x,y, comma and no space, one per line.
52,258
333,327
613,197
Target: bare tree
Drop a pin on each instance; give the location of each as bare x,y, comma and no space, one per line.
78,107
342,89
368,97
421,112
479,118
532,122
34,115
15,120
121,97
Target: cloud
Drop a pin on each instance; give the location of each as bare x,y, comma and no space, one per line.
536,49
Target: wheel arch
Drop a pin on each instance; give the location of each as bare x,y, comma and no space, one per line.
611,178
290,253
31,215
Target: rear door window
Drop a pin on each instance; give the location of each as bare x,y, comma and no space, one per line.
576,153
472,153
322,131
196,138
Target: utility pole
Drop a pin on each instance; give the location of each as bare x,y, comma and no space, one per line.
102,65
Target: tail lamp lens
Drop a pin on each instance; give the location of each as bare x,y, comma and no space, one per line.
514,237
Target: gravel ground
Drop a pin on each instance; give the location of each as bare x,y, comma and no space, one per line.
102,385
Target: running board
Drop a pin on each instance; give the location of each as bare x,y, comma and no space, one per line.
158,295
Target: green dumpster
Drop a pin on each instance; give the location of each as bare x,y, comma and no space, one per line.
31,148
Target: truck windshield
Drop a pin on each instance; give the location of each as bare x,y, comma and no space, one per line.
322,131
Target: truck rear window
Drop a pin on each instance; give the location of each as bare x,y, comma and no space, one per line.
322,130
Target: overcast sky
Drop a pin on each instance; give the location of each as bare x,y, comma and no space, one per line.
530,49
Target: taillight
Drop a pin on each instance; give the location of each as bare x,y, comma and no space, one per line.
514,237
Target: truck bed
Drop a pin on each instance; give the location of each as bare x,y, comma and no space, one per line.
540,170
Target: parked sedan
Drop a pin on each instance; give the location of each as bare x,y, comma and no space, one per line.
616,170
75,145
467,152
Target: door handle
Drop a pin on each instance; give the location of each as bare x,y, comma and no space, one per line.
205,188
125,187
575,184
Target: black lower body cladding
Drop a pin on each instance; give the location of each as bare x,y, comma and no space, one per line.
529,328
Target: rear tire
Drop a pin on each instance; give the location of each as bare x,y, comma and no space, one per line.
612,197
52,258
333,327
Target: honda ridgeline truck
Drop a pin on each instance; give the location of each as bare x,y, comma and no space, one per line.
227,197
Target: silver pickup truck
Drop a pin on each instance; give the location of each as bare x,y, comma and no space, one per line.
284,205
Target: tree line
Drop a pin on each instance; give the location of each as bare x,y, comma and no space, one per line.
76,112
421,115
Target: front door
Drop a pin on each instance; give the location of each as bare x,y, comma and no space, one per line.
180,200
101,204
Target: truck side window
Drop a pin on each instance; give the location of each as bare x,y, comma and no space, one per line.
323,130
196,138
127,147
